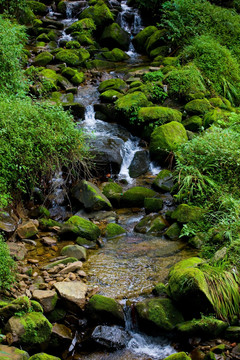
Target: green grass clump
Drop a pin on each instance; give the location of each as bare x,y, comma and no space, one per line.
36,138
12,40
217,64
7,266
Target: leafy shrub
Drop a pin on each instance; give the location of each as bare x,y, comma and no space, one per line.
12,39
36,138
185,19
184,81
153,76
7,266
217,65
12,7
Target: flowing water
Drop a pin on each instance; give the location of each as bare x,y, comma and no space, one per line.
128,266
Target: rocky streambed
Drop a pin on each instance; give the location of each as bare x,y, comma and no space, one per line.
102,272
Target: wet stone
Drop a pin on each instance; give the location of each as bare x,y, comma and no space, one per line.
110,337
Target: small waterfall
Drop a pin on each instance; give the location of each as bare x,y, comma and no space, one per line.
141,344
130,21
128,151
90,116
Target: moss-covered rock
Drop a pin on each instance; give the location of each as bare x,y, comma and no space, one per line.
198,107
155,40
83,39
12,353
216,116
166,138
72,57
113,230
86,24
159,114
102,309
160,289
114,36
78,78
32,328
110,96
115,55
112,84
99,13
64,261
151,224
136,99
69,72
135,196
62,6
158,314
19,305
73,44
173,232
193,123
163,181
153,205
37,7
188,287
43,59
204,327
51,75
100,64
42,38
185,213
90,196
113,192
43,356
88,244
79,252
140,39
84,228
178,356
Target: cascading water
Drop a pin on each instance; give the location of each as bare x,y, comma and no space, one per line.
130,20
130,148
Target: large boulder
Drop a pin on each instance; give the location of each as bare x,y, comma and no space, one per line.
30,329
37,7
80,25
178,356
73,292
136,99
113,192
90,196
19,305
185,213
135,196
110,96
198,107
163,181
72,57
28,229
188,287
116,55
159,114
158,314
114,36
205,327
112,230
110,337
155,40
82,227
166,138
102,309
140,39
79,252
12,353
99,13
43,59
47,298
112,84
139,164
151,224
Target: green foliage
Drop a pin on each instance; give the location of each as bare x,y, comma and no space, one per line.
12,39
224,291
35,140
7,266
185,81
12,7
185,19
153,76
216,64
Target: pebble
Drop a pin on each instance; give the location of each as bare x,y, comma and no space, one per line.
33,261
81,273
72,276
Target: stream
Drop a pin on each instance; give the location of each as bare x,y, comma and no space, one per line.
126,267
